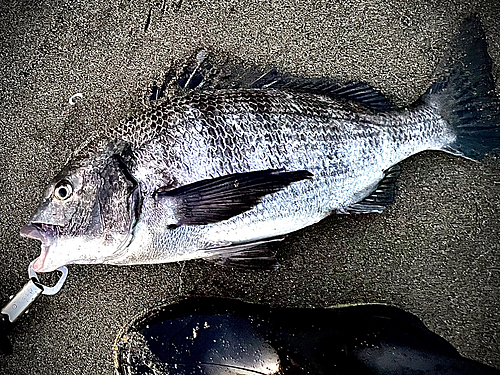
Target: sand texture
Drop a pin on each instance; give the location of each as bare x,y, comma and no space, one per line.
435,252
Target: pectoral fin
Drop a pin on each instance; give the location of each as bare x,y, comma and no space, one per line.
210,201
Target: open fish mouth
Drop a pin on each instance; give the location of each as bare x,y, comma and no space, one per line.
46,234
40,231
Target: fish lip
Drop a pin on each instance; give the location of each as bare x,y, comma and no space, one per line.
39,264
40,231
32,231
46,234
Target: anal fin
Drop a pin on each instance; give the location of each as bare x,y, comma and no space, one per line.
247,255
381,197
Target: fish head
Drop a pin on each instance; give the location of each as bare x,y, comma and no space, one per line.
87,214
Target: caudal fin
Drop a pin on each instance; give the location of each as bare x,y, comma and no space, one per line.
465,95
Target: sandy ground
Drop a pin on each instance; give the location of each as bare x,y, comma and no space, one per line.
435,252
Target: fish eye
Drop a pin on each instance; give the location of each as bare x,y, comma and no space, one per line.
63,190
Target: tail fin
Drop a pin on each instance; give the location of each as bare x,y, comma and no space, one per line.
465,95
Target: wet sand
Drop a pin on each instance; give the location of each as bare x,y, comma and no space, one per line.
435,252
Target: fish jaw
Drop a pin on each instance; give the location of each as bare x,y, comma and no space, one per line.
39,265
60,249
46,234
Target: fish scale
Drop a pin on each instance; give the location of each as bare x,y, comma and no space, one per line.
212,133
347,158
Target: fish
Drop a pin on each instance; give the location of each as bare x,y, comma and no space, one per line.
220,173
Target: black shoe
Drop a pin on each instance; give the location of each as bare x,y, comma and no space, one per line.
223,336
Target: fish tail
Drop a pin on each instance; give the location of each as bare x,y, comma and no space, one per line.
464,96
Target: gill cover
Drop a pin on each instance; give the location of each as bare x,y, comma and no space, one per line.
118,199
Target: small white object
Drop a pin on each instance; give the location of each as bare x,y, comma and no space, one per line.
76,96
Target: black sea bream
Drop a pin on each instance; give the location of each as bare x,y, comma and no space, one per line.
216,174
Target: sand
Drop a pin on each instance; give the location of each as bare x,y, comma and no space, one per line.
435,252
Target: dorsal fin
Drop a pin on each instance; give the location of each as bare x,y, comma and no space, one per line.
382,196
364,94
358,92
206,72
196,74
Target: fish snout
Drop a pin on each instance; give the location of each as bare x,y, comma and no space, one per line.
39,231
33,231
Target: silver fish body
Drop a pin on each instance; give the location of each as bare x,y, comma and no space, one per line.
214,174
346,147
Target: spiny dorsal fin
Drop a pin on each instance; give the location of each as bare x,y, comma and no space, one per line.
206,72
382,196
